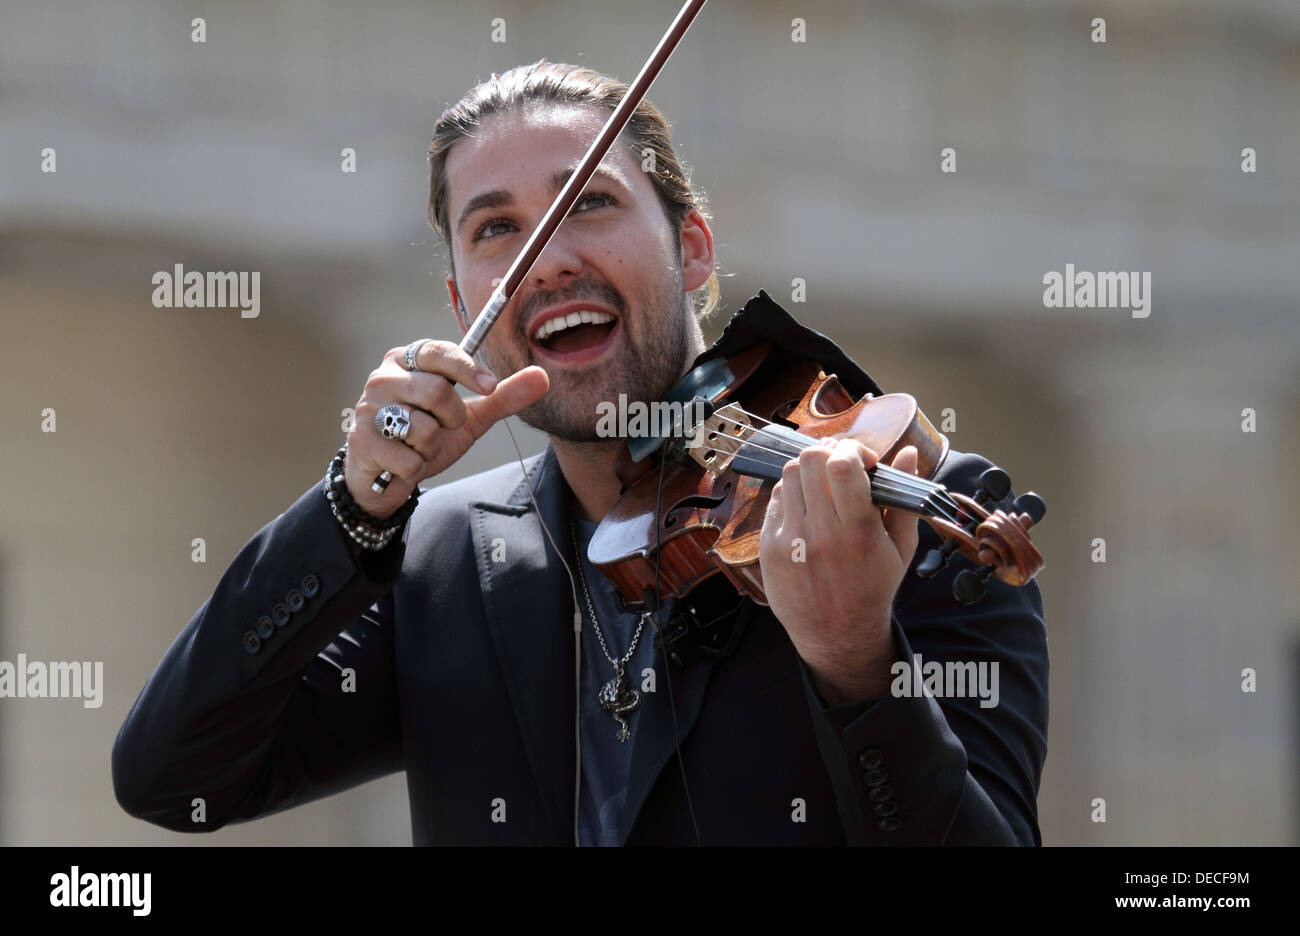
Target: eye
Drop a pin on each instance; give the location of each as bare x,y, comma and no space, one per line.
601,197
486,226
587,203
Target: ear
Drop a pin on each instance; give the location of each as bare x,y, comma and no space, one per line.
457,305
697,251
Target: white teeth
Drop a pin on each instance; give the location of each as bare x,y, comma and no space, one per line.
559,323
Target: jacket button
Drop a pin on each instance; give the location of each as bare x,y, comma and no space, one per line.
871,759
310,585
295,600
280,614
880,794
874,778
265,629
885,809
889,824
252,643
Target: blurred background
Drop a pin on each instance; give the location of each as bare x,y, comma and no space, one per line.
821,160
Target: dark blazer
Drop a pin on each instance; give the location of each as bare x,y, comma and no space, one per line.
437,658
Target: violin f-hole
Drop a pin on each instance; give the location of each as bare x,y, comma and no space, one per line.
702,501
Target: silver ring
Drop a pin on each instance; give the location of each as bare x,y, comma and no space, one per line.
413,351
380,484
393,421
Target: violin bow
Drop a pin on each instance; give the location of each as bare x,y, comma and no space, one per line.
559,209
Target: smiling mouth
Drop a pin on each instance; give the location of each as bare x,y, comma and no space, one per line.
578,331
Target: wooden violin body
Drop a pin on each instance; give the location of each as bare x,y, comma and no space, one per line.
698,509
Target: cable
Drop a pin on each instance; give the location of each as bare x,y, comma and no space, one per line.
577,643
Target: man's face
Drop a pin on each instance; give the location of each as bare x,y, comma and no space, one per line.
614,262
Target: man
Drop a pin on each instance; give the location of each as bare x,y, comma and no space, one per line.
347,641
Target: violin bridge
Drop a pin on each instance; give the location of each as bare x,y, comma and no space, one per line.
719,437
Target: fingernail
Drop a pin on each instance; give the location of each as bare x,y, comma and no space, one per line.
486,382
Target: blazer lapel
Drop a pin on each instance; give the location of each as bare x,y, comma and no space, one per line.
529,612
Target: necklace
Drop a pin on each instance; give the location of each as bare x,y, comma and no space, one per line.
616,697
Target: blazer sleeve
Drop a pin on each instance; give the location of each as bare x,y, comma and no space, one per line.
279,690
931,770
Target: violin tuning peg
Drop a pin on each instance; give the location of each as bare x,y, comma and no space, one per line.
935,560
994,485
968,587
1032,504
931,565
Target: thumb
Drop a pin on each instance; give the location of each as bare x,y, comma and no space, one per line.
518,391
899,524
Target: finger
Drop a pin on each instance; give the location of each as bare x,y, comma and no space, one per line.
368,455
383,454
775,517
380,454
899,524
906,459
518,391
425,435
794,511
819,509
434,394
846,473
446,359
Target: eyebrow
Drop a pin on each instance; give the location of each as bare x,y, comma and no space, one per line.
501,198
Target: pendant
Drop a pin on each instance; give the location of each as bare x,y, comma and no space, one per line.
619,700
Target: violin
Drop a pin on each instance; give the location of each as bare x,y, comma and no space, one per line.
696,508
702,513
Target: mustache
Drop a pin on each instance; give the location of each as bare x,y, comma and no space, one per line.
581,291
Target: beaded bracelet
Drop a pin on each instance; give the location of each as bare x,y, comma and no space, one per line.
367,531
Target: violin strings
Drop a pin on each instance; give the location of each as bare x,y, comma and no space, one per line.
904,482
942,502
888,480
894,495
900,476
882,476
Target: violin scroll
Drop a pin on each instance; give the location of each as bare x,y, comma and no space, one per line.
996,541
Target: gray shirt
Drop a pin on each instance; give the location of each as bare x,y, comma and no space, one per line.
606,761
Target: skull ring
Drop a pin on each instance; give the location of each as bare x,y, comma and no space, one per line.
393,421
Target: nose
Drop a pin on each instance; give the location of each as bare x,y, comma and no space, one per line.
558,263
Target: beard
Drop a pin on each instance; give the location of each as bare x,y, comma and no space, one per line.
650,356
